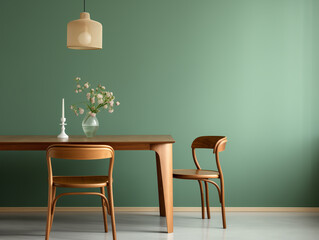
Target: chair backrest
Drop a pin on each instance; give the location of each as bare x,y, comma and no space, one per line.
80,152
217,143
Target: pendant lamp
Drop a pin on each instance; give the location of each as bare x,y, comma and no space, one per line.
84,33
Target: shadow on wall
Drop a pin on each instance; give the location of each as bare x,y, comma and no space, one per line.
23,174
315,173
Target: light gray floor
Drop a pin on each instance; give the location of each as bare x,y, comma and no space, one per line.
149,226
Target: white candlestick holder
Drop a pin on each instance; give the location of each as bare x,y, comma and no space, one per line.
63,134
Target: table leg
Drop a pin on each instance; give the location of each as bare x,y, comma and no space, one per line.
160,186
164,162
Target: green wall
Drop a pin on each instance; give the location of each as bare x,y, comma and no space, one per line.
243,68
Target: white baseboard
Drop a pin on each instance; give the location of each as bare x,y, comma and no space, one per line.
155,209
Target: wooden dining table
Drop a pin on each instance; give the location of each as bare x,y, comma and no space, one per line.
162,145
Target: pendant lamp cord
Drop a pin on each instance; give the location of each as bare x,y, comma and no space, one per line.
84,4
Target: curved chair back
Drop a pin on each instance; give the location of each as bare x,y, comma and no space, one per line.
80,152
217,143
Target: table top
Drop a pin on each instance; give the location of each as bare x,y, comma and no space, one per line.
41,142
83,139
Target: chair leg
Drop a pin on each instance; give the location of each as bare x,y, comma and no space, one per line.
104,210
48,228
110,195
207,200
202,199
223,204
52,207
53,193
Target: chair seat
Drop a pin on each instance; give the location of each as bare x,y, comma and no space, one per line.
80,181
194,173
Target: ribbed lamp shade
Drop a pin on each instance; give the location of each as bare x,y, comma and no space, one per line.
84,33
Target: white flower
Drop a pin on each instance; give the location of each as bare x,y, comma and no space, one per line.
86,85
103,87
76,91
93,100
112,103
92,90
117,103
111,110
78,78
105,106
92,114
71,107
80,90
100,101
112,93
78,86
108,94
81,110
99,95
88,95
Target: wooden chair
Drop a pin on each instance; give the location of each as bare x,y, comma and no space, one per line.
217,143
81,152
